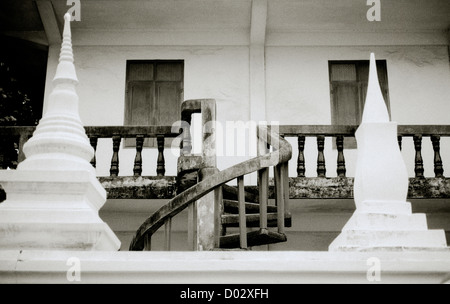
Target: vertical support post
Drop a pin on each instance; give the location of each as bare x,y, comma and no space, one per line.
218,207
191,226
167,234
399,140
160,167
286,188
137,169
242,216
147,243
279,196
114,171
257,61
263,182
438,169
321,170
263,178
340,158
418,162
93,141
207,206
301,157
284,172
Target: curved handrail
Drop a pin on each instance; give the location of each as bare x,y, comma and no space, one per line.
185,198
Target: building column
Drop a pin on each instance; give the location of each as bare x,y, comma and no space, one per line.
257,72
257,60
53,33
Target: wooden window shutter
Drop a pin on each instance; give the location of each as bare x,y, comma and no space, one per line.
154,92
348,89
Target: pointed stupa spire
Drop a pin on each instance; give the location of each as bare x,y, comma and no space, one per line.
60,141
65,71
375,109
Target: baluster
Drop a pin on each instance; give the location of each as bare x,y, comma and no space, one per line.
114,171
168,234
218,211
399,139
301,157
263,181
137,169
279,197
147,242
285,173
160,167
242,216
94,140
418,167
321,170
340,157
438,169
192,221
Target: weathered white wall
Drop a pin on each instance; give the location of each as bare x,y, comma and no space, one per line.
210,72
297,87
315,222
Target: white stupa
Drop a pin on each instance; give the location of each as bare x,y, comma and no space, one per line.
53,197
383,218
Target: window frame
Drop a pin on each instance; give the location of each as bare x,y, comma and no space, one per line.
150,143
360,65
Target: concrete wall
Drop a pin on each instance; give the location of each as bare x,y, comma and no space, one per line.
210,72
315,222
296,86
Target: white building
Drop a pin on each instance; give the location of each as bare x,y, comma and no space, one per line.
291,62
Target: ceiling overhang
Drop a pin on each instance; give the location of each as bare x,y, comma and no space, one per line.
30,19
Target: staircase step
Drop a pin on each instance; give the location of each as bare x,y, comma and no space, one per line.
232,220
231,193
254,238
231,206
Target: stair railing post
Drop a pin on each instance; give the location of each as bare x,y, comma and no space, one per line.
284,167
192,244
208,207
263,178
285,174
242,216
279,196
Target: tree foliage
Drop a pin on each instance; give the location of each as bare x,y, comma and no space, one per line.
15,110
15,105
